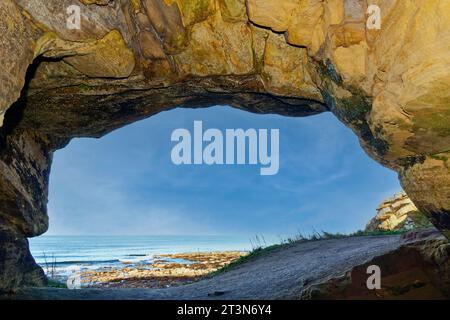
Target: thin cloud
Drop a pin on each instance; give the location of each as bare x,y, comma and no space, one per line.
125,182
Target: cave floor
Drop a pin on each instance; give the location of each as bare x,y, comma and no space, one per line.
283,273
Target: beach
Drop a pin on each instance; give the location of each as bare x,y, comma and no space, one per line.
167,270
135,261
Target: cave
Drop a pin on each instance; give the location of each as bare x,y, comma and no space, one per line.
130,60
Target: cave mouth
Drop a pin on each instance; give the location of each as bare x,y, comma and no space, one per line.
117,201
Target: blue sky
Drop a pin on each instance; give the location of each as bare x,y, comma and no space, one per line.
125,183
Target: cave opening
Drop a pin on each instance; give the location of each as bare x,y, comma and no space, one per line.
120,200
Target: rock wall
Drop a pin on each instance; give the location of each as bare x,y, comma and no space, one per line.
131,59
397,213
419,269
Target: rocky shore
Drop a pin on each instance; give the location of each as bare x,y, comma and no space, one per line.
168,270
414,265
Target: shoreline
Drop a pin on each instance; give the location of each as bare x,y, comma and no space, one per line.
166,270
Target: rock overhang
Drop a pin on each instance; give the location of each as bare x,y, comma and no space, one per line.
132,59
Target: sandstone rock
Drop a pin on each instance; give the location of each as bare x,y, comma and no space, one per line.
303,21
167,21
98,2
217,47
397,213
410,80
427,183
96,21
272,14
233,10
336,11
354,10
14,252
133,59
150,46
419,269
284,69
195,11
348,34
17,53
307,26
108,57
351,62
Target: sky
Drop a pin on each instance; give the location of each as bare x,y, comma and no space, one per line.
125,183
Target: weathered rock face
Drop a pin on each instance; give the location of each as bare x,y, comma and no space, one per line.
397,213
132,59
14,252
419,269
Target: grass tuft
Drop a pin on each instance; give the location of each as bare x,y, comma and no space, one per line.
52,283
259,249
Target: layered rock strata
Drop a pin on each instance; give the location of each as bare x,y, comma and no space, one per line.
397,213
130,59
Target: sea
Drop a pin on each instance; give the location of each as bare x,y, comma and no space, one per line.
59,256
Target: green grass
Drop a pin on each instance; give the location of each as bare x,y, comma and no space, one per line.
318,236
52,283
252,254
85,87
260,250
